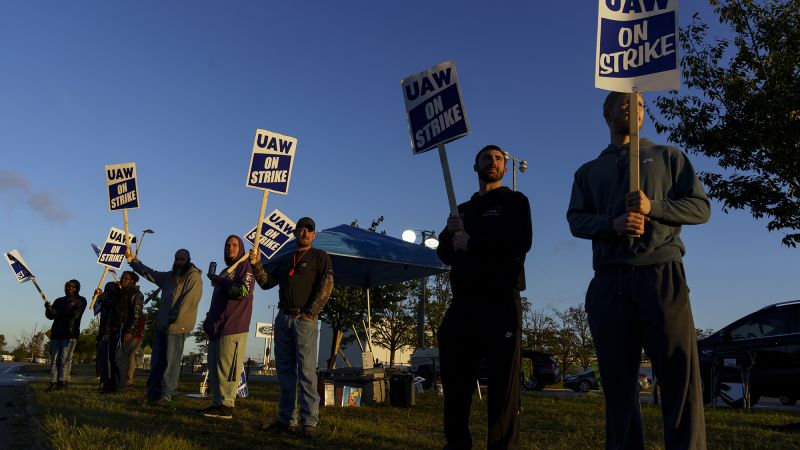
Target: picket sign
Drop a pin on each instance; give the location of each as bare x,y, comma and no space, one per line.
21,270
436,115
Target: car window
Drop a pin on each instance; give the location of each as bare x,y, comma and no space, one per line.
772,322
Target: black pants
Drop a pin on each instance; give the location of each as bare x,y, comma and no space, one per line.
474,329
631,308
107,348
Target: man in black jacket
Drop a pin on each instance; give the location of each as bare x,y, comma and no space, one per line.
121,305
485,246
66,313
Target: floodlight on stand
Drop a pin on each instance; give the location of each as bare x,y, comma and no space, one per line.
409,236
523,166
432,243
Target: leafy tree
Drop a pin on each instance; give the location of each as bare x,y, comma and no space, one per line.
742,108
2,343
440,296
585,354
200,338
703,333
538,329
86,347
394,328
565,340
31,343
151,322
20,352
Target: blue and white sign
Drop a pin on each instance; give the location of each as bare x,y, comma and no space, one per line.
121,182
276,231
113,252
271,162
97,252
18,266
435,111
637,46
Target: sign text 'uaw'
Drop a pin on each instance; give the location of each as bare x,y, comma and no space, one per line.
271,162
18,266
121,182
637,45
276,231
113,252
435,110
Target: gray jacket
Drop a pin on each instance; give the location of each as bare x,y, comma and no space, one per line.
177,310
668,180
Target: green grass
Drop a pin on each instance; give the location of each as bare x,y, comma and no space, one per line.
80,418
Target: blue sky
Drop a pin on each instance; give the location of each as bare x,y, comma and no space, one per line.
180,88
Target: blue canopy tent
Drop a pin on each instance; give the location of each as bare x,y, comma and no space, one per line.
366,259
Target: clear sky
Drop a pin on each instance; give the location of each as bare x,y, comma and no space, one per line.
180,88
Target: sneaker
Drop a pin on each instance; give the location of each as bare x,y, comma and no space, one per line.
277,425
219,412
309,431
204,410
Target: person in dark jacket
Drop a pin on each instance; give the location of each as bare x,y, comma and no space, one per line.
306,282
226,325
638,297
66,313
485,245
120,307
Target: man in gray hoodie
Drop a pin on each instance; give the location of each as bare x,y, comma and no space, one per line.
181,289
638,297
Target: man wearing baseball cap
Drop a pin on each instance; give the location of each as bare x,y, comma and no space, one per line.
305,281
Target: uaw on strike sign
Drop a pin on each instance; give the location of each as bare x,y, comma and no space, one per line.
276,230
433,103
637,43
113,252
271,162
121,182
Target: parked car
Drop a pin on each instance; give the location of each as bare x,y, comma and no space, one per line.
587,381
538,368
582,382
767,344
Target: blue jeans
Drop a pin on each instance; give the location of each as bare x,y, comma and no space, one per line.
61,359
296,361
165,365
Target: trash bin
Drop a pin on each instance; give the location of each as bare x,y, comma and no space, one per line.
401,390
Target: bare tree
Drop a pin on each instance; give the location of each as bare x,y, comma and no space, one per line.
33,342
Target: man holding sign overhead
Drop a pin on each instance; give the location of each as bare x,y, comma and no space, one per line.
638,297
485,245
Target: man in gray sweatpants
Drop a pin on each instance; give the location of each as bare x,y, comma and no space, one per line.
638,297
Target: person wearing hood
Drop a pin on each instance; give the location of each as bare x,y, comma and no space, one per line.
638,298
66,313
485,245
120,307
181,289
226,325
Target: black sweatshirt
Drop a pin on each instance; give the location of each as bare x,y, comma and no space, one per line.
499,226
66,315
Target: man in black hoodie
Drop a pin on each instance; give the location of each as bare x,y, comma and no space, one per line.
120,307
66,313
485,246
638,297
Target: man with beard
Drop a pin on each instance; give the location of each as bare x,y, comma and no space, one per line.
306,282
485,245
120,306
181,289
226,325
638,297
66,313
